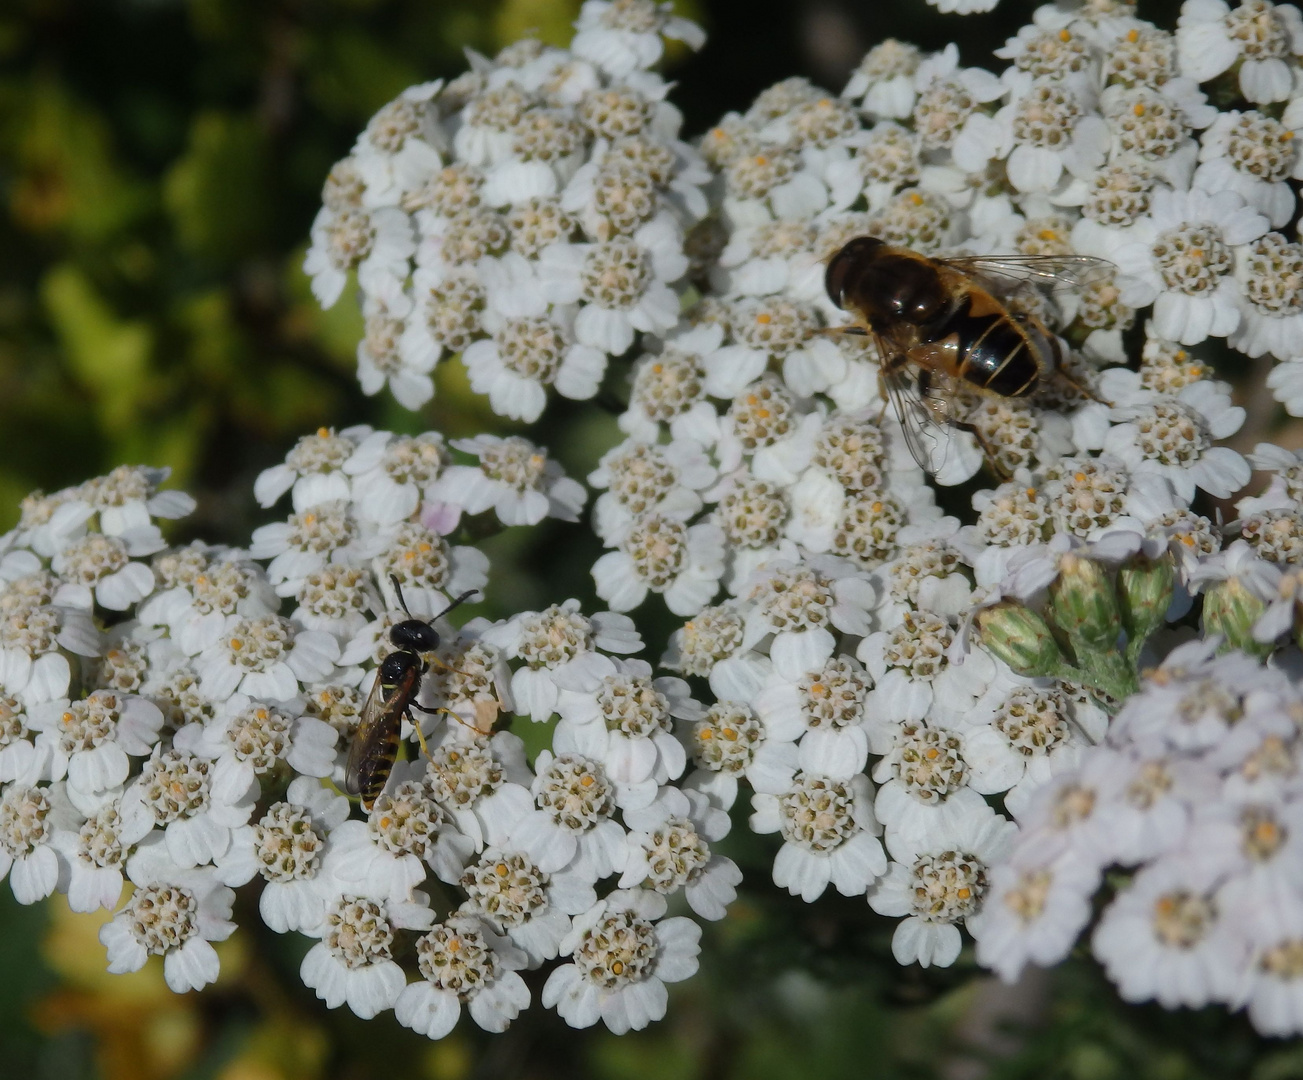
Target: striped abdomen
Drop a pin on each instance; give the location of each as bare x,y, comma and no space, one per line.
994,351
374,769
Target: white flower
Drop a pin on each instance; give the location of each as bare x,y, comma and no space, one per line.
1033,913
127,499
309,540
828,835
1271,274
624,37
1181,258
524,356
313,469
27,848
627,724
388,354
287,847
1261,36
392,474
484,786
801,605
825,709
559,647
915,676
884,80
1045,131
642,478
463,960
173,913
247,739
937,887
96,855
623,953
104,570
623,284
669,388
352,963
730,742
89,740
1173,439
176,791
572,828
659,553
1270,987
1165,937
386,856
515,478
508,891
1256,155
198,591
377,244
265,658
669,849
1031,734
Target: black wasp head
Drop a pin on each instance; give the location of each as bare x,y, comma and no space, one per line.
415,635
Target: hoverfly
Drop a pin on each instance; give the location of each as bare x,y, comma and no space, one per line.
943,325
393,695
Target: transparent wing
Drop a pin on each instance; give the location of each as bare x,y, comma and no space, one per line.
927,437
1065,271
375,716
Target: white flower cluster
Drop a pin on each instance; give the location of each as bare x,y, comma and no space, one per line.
180,718
884,676
529,215
1196,796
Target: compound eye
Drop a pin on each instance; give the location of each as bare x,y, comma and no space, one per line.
840,266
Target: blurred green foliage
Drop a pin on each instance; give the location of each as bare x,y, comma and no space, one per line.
160,164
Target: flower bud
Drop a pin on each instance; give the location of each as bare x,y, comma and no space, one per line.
1144,589
1021,638
1230,609
1083,603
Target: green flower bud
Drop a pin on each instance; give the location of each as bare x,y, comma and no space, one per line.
1231,610
1021,638
1083,603
1144,588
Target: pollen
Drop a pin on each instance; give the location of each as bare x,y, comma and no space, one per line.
1133,35
764,319
761,160
1138,108
323,433
236,644
876,508
916,198
1065,37
502,869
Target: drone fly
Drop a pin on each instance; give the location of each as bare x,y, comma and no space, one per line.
393,695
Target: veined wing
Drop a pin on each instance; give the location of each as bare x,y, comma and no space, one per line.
927,438
376,737
1063,271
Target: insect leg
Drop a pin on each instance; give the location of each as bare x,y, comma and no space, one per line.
1082,389
456,716
987,451
442,666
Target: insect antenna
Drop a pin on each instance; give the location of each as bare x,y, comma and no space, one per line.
456,603
398,590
